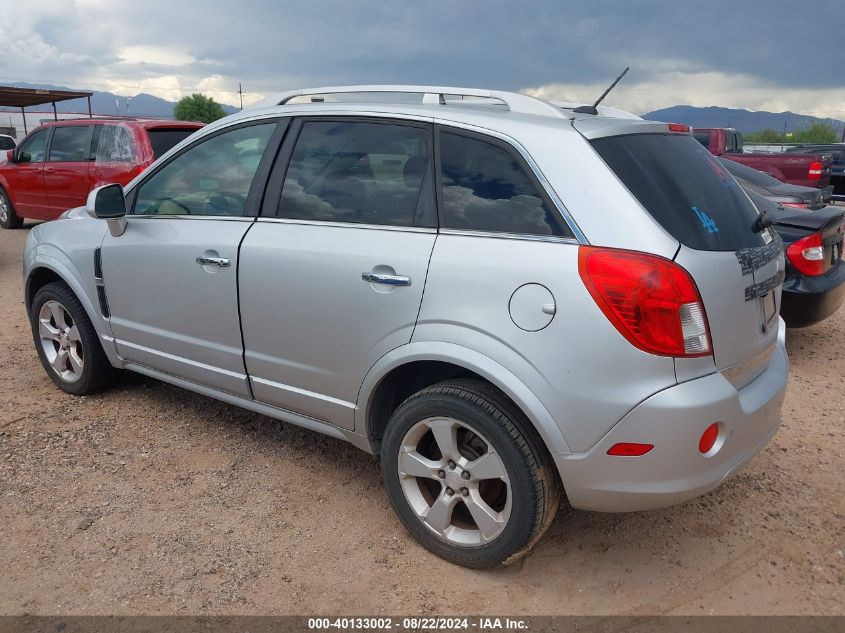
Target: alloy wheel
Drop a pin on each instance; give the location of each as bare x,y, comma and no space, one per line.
61,341
4,210
454,481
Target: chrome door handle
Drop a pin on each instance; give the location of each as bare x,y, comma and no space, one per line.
223,262
389,280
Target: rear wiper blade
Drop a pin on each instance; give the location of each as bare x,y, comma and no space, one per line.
761,223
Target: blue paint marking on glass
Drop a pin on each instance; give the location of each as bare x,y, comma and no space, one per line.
706,221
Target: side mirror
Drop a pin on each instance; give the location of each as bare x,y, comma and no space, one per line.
107,203
23,157
10,156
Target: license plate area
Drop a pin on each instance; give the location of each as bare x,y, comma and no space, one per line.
769,309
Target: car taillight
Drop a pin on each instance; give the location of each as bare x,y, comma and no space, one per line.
652,301
797,205
807,255
815,172
679,127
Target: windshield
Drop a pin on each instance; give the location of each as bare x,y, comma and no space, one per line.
684,188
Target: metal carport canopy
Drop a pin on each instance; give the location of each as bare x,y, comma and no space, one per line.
25,97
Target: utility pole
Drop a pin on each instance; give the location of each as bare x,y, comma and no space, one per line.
241,94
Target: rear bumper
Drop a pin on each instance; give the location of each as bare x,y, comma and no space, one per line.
807,300
673,420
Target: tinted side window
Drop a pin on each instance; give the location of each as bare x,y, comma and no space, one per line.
486,189
162,139
6,143
355,171
211,178
35,146
702,137
71,144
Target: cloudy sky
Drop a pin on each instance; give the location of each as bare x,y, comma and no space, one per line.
757,54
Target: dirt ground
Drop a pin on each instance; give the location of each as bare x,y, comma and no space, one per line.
150,499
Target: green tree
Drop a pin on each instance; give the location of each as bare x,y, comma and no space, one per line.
198,107
816,133
763,136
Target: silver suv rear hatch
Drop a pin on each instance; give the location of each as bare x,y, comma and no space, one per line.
737,267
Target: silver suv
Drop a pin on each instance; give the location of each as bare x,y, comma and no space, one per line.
505,298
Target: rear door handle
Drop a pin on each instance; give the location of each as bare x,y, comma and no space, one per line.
389,280
223,262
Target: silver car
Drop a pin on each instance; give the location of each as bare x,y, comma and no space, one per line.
508,300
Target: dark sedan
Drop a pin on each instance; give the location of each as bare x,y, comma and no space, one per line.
775,190
815,272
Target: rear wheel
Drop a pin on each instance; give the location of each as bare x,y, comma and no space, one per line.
466,475
8,218
67,342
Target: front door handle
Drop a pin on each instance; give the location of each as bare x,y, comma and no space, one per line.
388,280
223,262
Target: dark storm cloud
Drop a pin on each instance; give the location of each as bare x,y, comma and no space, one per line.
277,45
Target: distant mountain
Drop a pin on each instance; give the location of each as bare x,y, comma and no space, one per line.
110,104
742,120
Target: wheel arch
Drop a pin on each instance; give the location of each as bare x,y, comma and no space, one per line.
412,367
47,269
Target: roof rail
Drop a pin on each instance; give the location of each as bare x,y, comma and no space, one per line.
515,102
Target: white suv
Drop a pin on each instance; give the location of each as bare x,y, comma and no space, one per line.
504,298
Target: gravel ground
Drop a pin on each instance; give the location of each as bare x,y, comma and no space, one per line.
150,499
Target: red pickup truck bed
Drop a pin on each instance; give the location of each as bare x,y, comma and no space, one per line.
809,170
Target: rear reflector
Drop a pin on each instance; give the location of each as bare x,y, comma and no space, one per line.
708,438
807,255
629,449
815,172
652,301
679,127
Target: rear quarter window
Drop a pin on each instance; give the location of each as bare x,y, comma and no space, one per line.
162,139
684,188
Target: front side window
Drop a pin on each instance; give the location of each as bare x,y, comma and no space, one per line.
71,144
486,189
6,143
211,178
35,147
355,171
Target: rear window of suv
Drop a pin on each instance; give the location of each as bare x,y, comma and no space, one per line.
162,139
684,188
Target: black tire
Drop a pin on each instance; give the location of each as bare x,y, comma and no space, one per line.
97,372
534,486
9,219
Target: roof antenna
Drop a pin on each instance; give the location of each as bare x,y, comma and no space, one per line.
591,109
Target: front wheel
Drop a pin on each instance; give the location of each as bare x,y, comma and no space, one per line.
67,343
8,218
467,476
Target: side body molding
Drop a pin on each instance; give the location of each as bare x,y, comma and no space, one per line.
473,361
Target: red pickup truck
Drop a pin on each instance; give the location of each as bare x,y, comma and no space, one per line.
56,165
809,170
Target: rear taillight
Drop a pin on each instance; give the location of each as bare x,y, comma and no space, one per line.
797,205
679,127
652,301
815,172
807,255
